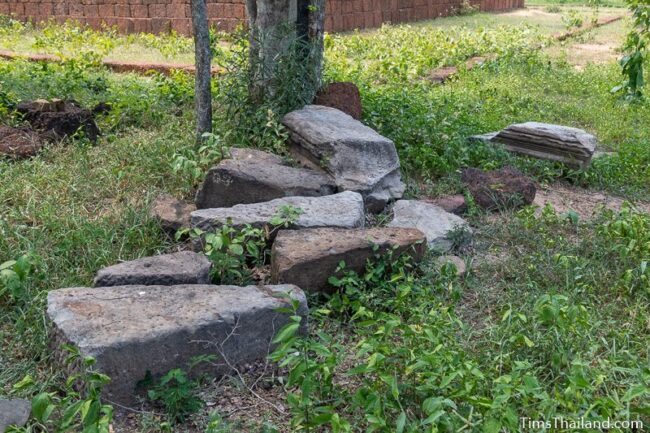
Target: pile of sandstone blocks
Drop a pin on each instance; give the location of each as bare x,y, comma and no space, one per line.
157,313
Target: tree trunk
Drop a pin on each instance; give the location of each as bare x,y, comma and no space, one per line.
203,57
269,21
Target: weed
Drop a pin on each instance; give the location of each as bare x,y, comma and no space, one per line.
176,392
81,411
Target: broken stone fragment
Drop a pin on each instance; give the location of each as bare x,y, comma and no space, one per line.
357,157
455,261
308,258
184,267
135,330
455,204
437,224
343,96
14,413
171,213
506,188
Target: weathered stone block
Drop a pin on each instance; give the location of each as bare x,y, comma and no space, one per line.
356,156
235,181
132,330
310,257
433,221
184,267
343,210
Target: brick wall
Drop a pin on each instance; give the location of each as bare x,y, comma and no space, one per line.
164,15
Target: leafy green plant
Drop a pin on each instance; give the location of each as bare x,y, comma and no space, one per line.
192,163
235,252
254,120
176,392
573,19
636,44
13,278
79,411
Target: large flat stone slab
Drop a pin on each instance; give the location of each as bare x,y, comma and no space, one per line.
255,180
310,257
432,220
571,146
132,330
343,210
14,413
356,156
184,267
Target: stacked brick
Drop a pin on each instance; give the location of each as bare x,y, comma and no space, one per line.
157,16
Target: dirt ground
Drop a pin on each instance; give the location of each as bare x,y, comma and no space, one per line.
585,203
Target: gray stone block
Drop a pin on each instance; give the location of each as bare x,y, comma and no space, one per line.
184,267
356,156
132,330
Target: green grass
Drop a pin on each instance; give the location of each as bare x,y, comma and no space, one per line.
558,324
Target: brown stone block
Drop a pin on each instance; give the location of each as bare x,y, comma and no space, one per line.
60,8
160,25
142,25
46,9
157,10
175,10
106,10
182,25
123,11
139,11
125,25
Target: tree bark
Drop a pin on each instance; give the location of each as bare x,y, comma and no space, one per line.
203,77
268,19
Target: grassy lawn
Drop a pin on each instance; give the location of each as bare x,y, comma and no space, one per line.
551,321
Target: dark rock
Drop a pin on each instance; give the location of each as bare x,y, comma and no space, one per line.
135,330
14,413
18,143
507,188
310,257
342,96
102,108
243,181
171,213
184,267
356,156
59,119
